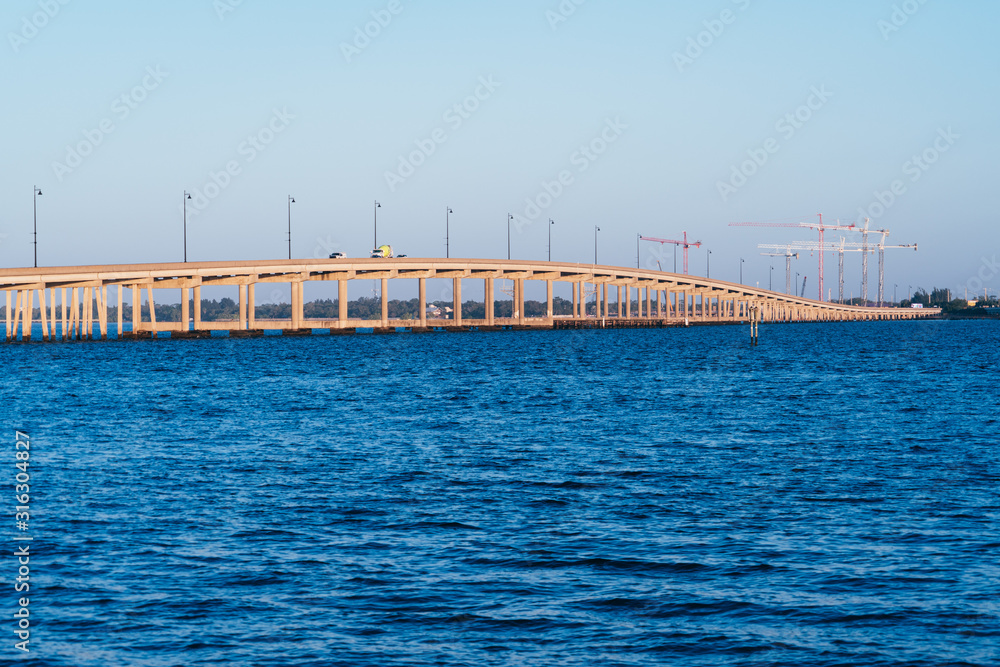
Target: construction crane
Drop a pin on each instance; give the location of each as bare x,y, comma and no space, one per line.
865,249
789,256
821,227
684,244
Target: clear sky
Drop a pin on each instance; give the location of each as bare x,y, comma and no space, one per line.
666,120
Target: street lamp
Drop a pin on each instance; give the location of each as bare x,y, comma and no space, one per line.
796,285
509,219
894,286
675,258
708,270
291,200
37,193
596,230
447,232
770,280
551,224
377,207
184,201
742,262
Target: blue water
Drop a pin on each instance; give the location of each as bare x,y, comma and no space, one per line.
647,497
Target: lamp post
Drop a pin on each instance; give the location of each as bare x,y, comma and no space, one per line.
184,201
551,224
708,269
675,258
742,262
37,193
596,231
894,286
796,285
447,232
291,200
509,219
770,280
377,207
638,238
910,293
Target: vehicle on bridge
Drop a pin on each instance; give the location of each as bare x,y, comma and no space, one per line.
384,252
337,255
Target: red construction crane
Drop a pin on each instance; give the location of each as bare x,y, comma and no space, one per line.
819,226
684,244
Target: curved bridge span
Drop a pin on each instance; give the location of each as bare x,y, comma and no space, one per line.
603,296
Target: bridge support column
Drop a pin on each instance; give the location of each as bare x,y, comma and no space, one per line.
302,303
42,307
522,317
242,291
295,324
65,312
251,307
53,313
69,313
9,320
342,303
29,313
457,305
550,312
186,310
120,294
152,311
102,311
197,308
136,308
422,302
16,319
385,302
88,313
490,302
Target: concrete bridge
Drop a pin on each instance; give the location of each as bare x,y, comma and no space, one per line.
624,297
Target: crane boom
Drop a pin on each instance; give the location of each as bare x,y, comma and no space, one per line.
684,244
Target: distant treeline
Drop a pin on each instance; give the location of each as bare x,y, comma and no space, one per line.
365,308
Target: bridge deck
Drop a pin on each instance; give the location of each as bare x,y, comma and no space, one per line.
616,297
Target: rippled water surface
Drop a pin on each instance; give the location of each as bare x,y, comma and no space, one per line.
553,498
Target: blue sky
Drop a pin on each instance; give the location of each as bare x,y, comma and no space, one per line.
345,122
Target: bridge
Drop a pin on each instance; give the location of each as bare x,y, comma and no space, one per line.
620,297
